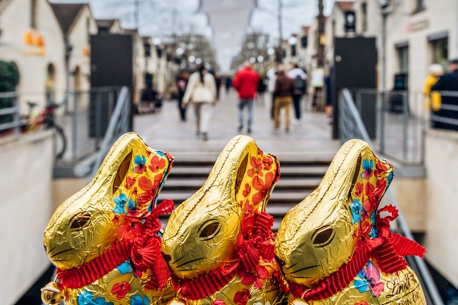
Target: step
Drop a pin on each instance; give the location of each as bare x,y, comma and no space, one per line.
287,171
276,197
174,183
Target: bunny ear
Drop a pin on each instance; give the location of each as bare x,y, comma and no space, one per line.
256,177
139,177
371,179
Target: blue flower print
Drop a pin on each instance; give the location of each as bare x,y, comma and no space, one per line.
368,166
137,300
368,280
86,298
132,205
120,202
355,208
140,164
125,268
374,232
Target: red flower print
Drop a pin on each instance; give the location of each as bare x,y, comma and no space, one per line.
120,289
247,190
380,169
218,302
267,162
242,297
149,188
156,164
359,189
130,182
361,303
130,228
262,187
256,167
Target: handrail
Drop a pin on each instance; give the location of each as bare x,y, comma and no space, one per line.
118,121
346,102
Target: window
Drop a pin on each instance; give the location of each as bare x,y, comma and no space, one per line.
418,6
403,59
333,29
364,16
33,13
439,52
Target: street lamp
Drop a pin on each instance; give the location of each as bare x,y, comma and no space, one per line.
260,58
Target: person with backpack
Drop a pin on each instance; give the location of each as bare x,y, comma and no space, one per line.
300,87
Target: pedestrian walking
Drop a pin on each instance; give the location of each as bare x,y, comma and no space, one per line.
328,108
201,91
246,83
272,76
228,83
432,99
284,90
181,83
447,118
218,81
300,87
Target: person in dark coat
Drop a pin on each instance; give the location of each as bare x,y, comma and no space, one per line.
181,83
446,118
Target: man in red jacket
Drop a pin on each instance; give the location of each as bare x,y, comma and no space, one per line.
246,83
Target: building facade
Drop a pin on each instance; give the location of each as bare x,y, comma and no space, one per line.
32,38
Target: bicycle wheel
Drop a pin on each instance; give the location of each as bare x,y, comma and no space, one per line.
60,142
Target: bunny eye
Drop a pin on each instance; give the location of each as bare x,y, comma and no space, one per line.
79,221
324,237
209,229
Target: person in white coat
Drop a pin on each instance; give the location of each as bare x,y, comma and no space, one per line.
201,91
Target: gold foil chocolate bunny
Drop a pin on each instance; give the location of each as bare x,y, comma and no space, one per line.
218,243
335,248
104,239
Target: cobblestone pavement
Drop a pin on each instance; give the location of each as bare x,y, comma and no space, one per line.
309,139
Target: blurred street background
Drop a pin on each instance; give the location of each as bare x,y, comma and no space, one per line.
76,75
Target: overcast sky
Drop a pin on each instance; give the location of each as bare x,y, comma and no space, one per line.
156,16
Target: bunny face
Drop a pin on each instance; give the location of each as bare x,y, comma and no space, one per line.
318,235
202,233
104,212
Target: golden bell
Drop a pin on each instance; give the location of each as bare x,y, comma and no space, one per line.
50,294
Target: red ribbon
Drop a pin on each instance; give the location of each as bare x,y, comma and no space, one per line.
256,245
144,251
388,248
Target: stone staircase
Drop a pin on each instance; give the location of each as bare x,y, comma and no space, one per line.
298,180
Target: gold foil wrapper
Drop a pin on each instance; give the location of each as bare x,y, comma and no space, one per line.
203,233
319,235
110,210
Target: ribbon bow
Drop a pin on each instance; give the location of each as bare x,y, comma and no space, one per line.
388,248
144,250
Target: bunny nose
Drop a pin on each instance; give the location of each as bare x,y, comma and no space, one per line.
167,258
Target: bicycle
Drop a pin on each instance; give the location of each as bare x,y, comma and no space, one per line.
46,118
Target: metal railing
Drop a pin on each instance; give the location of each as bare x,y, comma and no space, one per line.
446,117
84,115
398,119
351,126
118,125
9,113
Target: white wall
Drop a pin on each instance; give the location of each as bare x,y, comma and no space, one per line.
33,68
441,202
79,39
25,209
439,16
